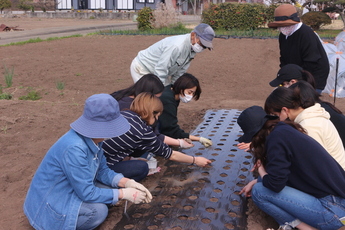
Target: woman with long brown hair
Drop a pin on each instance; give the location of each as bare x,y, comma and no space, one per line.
144,112
300,185
297,105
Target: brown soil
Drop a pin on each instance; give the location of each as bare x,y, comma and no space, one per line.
233,76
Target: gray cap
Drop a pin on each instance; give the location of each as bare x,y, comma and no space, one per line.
205,34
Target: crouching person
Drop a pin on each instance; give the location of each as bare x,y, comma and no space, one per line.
73,184
300,184
140,139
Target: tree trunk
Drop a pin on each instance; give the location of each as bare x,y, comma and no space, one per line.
342,18
168,4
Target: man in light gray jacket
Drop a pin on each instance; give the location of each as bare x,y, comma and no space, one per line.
170,57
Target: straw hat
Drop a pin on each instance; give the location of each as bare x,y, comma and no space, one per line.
284,15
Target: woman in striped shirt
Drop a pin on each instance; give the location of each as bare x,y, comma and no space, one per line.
143,113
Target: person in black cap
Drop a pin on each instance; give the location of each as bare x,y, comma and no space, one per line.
293,186
73,184
290,74
297,104
171,57
300,45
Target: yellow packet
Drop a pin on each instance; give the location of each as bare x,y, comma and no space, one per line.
342,220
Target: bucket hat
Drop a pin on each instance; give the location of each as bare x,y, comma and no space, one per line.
251,120
286,73
284,15
101,118
205,34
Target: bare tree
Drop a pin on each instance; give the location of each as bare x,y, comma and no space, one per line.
4,4
45,5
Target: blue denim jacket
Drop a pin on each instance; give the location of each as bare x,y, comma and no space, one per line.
66,178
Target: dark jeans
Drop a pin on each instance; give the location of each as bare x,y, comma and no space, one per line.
133,169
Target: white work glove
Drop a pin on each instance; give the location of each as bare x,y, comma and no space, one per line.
134,195
185,143
133,184
206,142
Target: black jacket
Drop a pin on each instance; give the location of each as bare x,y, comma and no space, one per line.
304,48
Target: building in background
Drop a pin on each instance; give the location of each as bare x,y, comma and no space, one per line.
116,5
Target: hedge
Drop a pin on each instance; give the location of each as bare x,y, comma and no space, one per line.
238,15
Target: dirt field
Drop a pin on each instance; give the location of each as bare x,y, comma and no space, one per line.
233,76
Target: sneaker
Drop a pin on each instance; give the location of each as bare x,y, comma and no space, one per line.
153,171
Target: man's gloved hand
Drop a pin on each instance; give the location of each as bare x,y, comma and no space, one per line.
185,144
134,195
133,184
206,142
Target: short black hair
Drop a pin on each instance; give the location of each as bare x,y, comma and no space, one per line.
187,81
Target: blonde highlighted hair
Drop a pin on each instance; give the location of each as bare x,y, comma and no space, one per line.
146,105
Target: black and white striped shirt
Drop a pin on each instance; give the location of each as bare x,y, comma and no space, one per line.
139,139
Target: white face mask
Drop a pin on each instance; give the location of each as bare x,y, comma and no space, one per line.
186,98
287,30
197,48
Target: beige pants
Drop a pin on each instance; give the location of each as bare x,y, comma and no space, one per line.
137,70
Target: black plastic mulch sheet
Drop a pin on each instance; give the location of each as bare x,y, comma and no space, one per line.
189,197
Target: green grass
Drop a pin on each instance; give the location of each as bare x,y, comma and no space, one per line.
60,85
32,95
258,33
35,40
9,76
179,29
4,129
4,96
329,34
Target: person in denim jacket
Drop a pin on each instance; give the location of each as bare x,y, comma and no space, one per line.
73,184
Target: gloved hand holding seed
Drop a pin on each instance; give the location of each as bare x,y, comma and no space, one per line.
134,195
206,142
133,184
185,144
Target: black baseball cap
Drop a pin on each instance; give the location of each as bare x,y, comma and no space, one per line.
251,120
286,73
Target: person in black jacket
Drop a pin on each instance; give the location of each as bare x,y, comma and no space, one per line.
300,185
300,45
185,89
